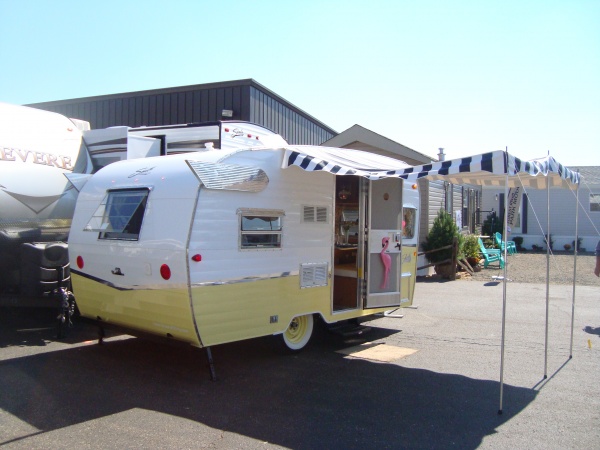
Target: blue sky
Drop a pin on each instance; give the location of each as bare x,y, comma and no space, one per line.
469,76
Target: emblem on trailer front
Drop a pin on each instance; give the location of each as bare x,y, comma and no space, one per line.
144,171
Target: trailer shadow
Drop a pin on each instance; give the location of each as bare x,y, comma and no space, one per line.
36,327
316,399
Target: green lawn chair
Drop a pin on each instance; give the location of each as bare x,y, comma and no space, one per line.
490,255
511,248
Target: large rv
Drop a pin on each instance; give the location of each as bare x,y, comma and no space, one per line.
228,244
39,152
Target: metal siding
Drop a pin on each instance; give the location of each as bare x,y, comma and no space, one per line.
212,104
118,111
181,108
436,200
204,108
242,103
145,110
220,105
130,112
196,106
248,100
189,107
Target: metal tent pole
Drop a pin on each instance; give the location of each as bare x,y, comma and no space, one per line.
574,267
547,270
504,282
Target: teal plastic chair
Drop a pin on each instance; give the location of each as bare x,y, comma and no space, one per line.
490,255
511,248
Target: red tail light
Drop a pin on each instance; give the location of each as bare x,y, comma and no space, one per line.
165,272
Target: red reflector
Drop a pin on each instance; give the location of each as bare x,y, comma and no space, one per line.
165,272
80,262
249,135
197,258
226,130
257,138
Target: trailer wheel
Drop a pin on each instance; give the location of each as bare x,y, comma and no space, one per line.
298,333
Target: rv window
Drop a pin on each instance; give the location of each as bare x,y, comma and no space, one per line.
120,215
594,202
258,231
408,223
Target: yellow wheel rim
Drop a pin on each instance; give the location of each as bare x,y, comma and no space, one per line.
299,332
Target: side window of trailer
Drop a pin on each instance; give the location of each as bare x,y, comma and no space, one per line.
120,215
260,229
409,222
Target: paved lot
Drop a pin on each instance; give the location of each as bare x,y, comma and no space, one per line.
133,393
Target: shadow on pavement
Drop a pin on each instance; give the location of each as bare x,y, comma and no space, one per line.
316,399
592,330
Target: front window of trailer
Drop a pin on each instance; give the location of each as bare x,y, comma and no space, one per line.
120,215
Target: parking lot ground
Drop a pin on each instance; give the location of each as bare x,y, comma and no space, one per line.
444,393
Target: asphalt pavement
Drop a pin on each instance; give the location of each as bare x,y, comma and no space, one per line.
440,390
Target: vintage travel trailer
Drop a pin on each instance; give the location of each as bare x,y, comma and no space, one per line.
222,245
45,159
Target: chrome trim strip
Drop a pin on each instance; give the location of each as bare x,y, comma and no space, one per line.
247,279
146,287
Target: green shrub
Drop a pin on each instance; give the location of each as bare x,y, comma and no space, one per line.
492,224
470,247
441,234
518,240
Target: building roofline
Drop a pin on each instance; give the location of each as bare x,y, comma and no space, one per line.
354,130
172,90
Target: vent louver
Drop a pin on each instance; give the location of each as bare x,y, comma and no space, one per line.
314,214
313,274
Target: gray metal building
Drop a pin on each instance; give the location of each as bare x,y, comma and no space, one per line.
231,100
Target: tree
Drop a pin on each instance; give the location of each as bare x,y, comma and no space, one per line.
492,224
442,233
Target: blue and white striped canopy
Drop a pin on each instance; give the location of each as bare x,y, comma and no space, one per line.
488,169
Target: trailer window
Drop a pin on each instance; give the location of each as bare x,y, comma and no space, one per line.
120,215
260,230
408,223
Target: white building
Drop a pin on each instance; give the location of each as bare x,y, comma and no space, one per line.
533,217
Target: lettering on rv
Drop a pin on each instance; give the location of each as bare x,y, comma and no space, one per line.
42,158
236,132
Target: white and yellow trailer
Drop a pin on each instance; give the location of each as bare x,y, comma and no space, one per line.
224,245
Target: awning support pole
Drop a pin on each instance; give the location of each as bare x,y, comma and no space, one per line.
505,235
547,274
574,268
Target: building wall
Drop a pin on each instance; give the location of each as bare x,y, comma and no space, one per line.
562,216
248,100
295,128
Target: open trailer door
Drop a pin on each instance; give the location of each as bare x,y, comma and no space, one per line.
383,247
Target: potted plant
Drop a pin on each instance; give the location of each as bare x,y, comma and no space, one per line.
442,234
470,249
518,240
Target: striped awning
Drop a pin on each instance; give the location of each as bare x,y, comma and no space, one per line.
487,169
491,169
343,161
